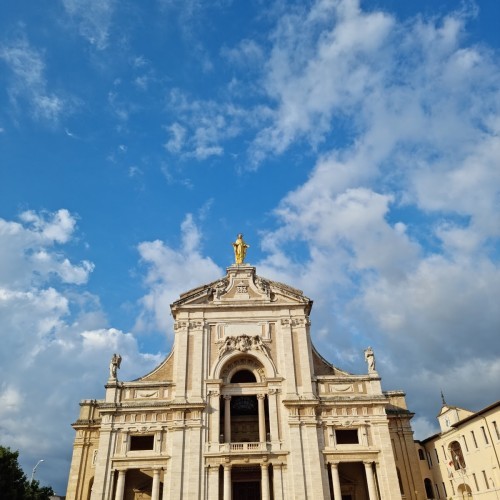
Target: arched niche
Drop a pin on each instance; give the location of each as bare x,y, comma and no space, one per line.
255,362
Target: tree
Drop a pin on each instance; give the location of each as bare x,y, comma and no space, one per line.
14,484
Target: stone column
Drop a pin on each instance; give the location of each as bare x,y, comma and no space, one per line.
272,400
215,417
120,484
278,482
181,359
155,492
213,482
227,419
264,481
287,356
165,488
372,492
337,493
262,418
227,482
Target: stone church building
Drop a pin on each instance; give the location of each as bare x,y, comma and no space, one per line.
244,407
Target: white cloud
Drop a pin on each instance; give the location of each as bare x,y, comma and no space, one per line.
172,271
28,81
176,142
247,54
202,126
93,19
400,222
28,255
54,338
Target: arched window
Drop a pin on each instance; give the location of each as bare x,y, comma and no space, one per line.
243,377
421,454
464,490
429,492
457,455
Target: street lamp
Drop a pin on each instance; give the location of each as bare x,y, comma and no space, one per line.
34,469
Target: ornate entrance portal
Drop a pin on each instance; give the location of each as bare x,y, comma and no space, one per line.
246,483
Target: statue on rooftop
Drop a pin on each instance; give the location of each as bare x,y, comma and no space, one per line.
114,365
370,360
240,249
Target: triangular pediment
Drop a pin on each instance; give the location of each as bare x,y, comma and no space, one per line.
242,285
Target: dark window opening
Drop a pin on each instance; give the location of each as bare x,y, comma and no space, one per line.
243,377
138,443
429,492
347,436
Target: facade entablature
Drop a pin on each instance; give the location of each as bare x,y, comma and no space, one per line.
139,462
82,424
353,455
299,403
216,459
352,400
244,389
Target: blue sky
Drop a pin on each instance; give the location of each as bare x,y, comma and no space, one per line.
355,144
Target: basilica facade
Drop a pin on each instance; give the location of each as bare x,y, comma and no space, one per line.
244,407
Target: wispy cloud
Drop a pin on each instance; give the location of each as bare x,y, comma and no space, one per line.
93,19
202,126
28,83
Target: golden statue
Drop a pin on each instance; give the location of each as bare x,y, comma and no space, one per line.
240,249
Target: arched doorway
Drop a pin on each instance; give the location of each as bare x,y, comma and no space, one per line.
429,491
464,490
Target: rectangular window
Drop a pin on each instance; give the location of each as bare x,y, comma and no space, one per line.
141,443
452,488
429,459
484,435
437,490
444,490
347,436
465,443
486,480
496,429
475,481
437,456
474,438
444,452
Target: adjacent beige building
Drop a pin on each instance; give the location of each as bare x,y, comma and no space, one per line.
462,461
245,408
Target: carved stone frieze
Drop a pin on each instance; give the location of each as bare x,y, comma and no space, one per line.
263,286
241,288
220,288
146,394
243,343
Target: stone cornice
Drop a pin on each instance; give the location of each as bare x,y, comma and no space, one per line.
170,404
